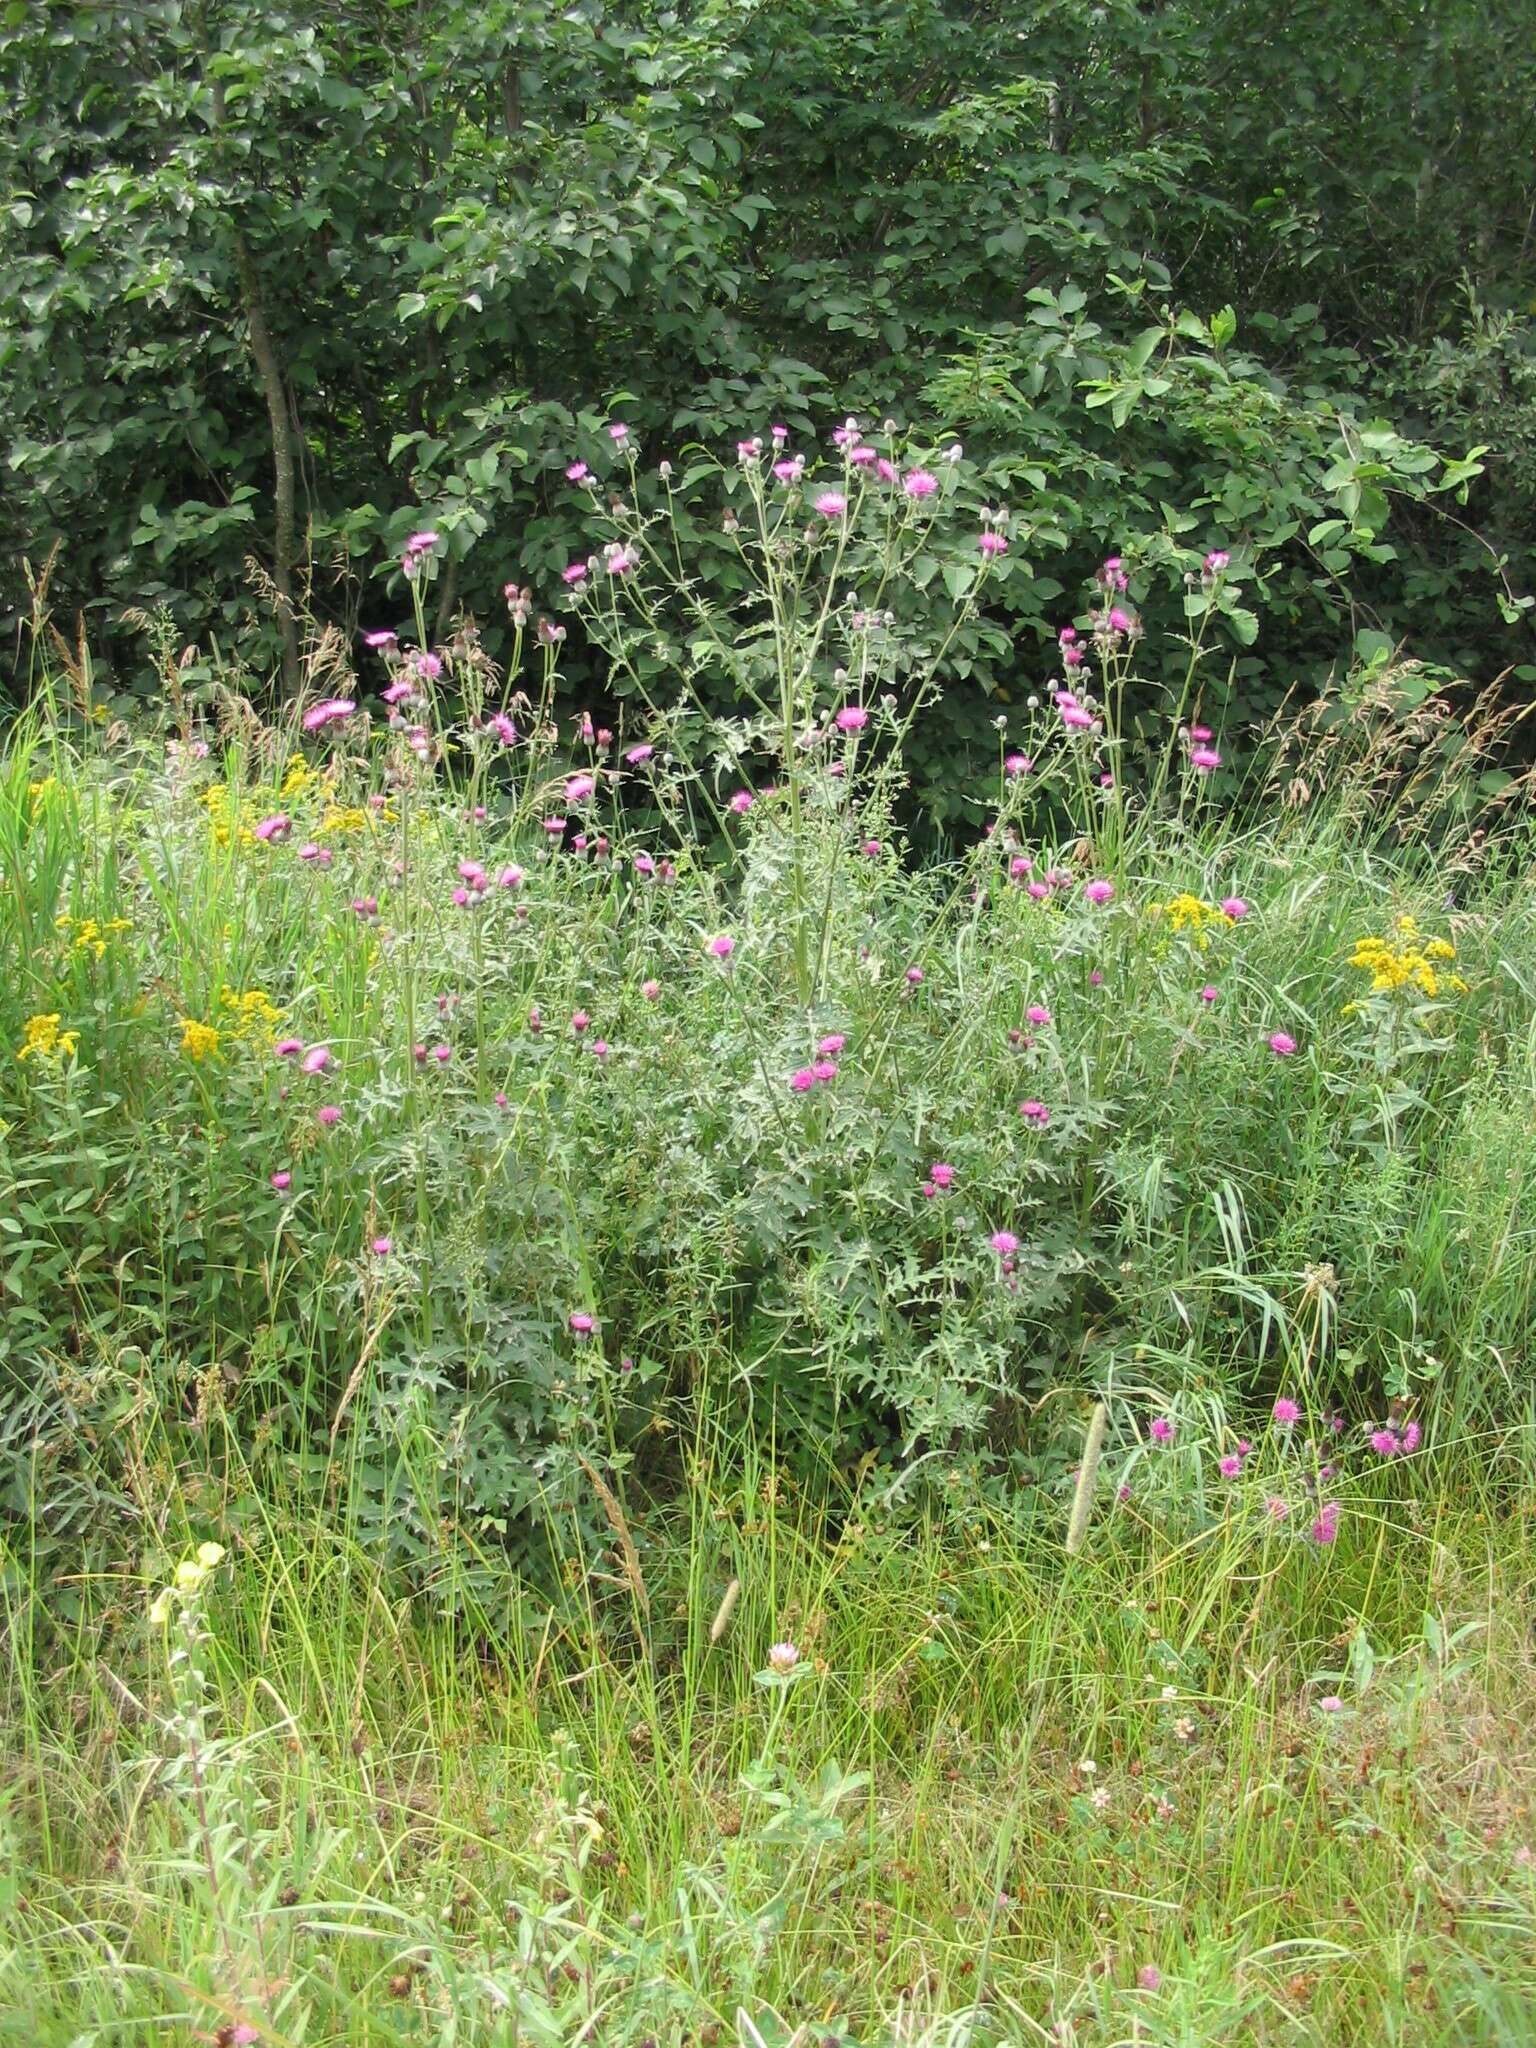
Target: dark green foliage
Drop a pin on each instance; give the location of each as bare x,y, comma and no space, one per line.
280,282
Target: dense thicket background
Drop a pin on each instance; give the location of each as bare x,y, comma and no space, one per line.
280,282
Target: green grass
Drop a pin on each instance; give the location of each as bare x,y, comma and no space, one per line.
535,1824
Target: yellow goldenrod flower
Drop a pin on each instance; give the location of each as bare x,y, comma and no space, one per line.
298,776
1189,910
215,801
1407,964
252,1012
352,819
198,1041
43,1037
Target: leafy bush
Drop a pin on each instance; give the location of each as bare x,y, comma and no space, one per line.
280,287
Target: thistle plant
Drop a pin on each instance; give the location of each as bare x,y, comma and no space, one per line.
554,1074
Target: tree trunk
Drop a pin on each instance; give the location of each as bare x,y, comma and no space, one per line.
269,370
447,597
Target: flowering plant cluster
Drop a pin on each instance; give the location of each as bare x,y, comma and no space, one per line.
556,1062
1288,1475
1408,963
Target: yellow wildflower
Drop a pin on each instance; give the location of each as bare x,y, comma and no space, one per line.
215,801
351,819
251,1012
44,1037
1406,964
1187,909
187,1581
198,1041
1191,913
298,776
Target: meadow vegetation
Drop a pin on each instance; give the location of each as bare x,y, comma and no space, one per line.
563,1297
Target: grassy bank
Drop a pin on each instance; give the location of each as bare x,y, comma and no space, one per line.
1221,1788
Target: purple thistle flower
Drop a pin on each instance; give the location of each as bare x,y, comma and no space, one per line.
330,709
